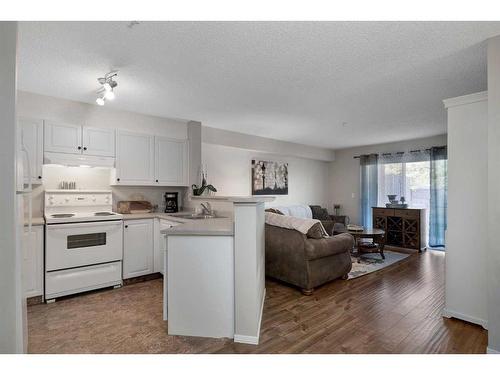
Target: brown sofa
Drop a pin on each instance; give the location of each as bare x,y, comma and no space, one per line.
306,262
333,224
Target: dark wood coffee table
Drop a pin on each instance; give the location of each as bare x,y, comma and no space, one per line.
378,237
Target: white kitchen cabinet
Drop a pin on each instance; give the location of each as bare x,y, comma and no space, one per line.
160,243
77,139
32,137
137,248
65,138
134,159
171,161
98,142
33,261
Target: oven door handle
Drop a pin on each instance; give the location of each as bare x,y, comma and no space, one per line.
108,223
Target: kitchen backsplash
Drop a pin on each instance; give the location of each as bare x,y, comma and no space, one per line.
98,178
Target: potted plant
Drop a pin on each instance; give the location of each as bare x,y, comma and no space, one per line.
208,188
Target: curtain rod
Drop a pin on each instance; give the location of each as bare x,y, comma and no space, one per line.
397,153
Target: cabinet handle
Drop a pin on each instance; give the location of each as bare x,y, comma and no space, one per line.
79,147
156,180
39,177
85,149
126,226
117,179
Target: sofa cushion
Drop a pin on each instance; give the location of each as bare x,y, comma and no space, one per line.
319,248
315,231
274,211
291,222
302,211
320,213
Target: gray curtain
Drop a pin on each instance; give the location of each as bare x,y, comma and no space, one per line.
439,196
369,187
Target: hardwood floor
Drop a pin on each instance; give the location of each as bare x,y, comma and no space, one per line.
396,310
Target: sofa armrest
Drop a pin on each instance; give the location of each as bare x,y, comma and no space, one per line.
285,255
319,248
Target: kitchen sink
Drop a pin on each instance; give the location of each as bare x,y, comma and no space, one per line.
198,216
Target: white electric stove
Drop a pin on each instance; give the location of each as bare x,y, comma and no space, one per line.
83,242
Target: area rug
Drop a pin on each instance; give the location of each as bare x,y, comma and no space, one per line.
374,262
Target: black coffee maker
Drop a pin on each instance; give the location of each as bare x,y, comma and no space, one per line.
171,202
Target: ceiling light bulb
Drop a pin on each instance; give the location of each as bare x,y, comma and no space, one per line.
107,86
110,95
100,101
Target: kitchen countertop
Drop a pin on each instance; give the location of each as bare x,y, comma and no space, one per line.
234,199
159,215
35,221
203,227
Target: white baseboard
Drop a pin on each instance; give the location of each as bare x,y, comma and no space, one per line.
254,340
491,351
447,313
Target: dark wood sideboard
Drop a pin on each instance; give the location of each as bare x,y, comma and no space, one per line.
403,227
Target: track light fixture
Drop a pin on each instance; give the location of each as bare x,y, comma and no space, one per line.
106,92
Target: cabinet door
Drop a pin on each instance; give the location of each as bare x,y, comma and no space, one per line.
32,137
33,261
158,249
134,158
137,248
170,161
66,138
98,142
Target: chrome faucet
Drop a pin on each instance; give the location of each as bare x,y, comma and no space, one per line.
207,209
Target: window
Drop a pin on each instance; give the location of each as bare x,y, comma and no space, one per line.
408,179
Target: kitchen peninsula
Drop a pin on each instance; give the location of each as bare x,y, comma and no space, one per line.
215,279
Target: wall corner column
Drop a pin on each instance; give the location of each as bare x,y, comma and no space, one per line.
493,251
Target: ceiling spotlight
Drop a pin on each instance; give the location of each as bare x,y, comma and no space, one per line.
109,95
106,92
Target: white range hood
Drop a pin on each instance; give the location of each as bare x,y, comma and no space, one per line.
72,160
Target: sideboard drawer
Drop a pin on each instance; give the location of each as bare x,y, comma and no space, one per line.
383,211
414,214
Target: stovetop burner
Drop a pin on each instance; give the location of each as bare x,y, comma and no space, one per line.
104,214
57,216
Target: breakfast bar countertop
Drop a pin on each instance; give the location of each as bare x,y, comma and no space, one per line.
204,227
158,215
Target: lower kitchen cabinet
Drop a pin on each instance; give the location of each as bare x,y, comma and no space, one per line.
33,261
138,248
160,243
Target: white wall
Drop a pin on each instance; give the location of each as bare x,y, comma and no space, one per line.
467,234
493,216
229,170
344,183
10,269
266,145
62,110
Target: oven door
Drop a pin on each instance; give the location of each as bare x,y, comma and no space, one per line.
83,244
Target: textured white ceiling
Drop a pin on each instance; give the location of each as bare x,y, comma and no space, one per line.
294,81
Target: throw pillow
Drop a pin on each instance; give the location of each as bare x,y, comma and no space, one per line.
274,211
315,231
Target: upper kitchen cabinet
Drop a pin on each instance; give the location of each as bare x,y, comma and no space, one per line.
32,138
134,159
98,142
171,159
65,138
77,139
